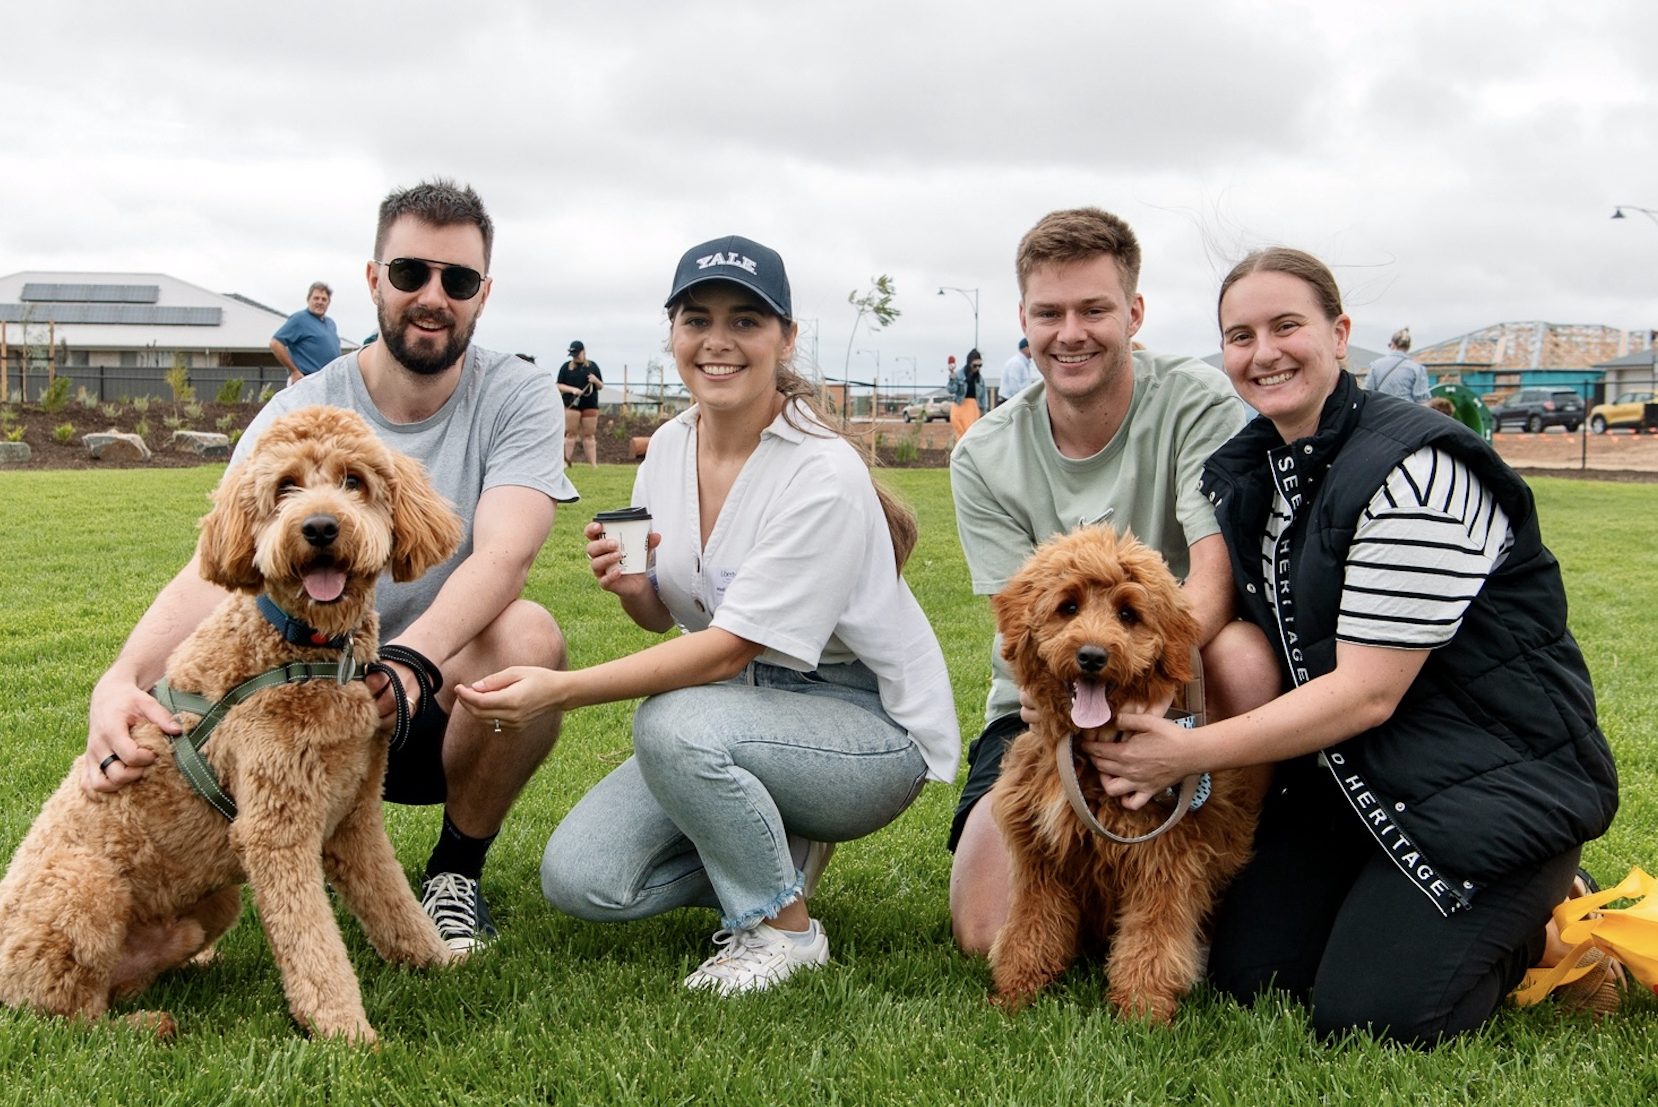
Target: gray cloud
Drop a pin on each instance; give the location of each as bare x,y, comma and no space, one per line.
1455,163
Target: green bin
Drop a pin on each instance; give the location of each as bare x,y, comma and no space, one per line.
1470,410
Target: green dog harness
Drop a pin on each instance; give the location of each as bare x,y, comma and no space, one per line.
187,747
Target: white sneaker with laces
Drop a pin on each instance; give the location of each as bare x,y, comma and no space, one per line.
756,958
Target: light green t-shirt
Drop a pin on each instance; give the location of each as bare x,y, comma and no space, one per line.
1013,488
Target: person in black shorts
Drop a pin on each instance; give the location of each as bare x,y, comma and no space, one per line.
579,381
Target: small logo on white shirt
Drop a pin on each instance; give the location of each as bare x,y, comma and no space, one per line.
731,257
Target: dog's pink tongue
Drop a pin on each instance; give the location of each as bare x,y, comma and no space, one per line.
1089,708
324,585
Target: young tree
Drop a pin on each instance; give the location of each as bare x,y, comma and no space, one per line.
876,303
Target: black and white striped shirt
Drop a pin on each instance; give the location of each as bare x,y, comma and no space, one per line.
1420,554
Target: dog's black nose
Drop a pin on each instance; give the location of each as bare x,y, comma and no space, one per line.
1091,659
320,530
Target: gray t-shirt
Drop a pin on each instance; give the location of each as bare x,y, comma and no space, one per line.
504,425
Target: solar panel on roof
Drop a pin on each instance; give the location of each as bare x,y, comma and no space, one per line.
122,314
45,292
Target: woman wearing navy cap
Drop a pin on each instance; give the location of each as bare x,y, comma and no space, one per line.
805,700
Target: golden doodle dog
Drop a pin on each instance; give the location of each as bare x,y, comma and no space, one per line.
107,891
1094,623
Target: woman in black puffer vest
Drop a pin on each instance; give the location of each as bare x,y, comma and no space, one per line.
1439,762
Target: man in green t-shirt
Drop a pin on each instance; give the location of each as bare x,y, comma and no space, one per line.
1108,434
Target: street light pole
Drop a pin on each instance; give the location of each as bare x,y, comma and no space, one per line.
875,387
1618,212
911,360
971,295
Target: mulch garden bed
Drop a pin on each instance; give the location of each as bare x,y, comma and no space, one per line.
155,425
51,449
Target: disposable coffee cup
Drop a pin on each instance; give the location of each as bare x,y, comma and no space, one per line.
631,527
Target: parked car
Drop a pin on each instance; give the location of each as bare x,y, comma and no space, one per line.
1537,409
933,406
1628,410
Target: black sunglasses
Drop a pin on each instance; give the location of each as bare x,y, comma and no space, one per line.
411,275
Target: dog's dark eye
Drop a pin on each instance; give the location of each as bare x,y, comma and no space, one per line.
285,486
352,482
1128,616
1067,607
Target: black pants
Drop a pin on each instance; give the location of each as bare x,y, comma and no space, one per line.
1322,913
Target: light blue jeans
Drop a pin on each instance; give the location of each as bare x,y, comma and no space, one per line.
721,777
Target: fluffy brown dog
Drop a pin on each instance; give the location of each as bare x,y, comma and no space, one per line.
1092,623
106,891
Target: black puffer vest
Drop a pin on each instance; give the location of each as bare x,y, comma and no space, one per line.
1493,761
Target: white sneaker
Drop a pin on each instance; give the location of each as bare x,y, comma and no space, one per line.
756,958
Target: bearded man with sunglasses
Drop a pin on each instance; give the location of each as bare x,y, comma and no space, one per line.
487,427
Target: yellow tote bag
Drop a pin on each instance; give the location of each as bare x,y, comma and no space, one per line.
1628,933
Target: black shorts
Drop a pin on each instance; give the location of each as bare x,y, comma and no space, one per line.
984,766
587,401
414,770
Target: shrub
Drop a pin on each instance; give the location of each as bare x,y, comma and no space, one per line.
235,436
908,448
192,411
109,410
172,422
178,380
230,392
85,398
143,428
141,404
63,432
225,422
14,434
266,393
56,396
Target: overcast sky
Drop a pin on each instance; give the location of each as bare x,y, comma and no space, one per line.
1456,163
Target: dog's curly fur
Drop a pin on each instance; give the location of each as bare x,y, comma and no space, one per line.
107,891
1148,902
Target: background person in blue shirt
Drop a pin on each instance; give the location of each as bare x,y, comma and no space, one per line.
307,340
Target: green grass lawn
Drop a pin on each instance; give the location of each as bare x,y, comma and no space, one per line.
566,1011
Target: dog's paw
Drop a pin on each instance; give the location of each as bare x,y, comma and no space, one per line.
439,957
159,1023
357,1031
1010,1003
1153,1009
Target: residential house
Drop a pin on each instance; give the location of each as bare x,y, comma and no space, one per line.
119,334
1505,356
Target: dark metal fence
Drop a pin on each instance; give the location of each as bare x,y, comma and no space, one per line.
106,383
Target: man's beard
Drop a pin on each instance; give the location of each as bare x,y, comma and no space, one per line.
423,355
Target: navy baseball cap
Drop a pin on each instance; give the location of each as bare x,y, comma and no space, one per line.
738,260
